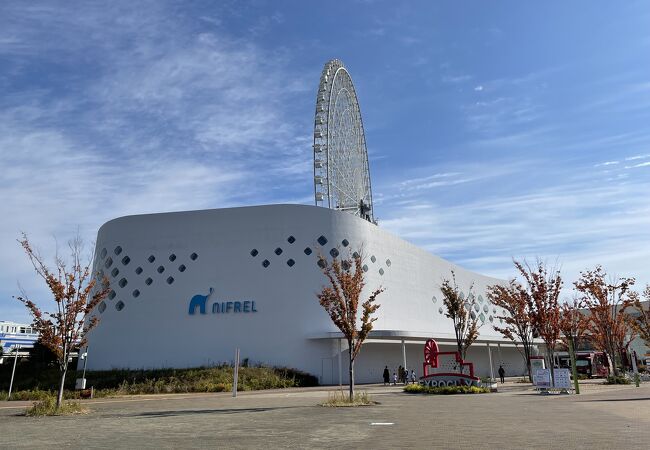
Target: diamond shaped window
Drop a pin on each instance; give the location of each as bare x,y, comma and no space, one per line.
290,262
307,251
291,239
322,240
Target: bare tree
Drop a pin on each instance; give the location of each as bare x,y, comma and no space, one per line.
459,310
608,325
640,318
543,287
75,296
341,301
518,322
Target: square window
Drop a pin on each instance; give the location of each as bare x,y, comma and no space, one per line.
388,263
172,257
345,265
170,280
136,293
254,252
118,250
111,295
115,272
108,263
102,307
119,305
307,251
373,259
138,270
148,281
334,252
151,258
291,239
355,255
381,271
160,269
182,268
103,253
278,251
126,260
266,263
322,240
365,268
321,263
193,256
290,262
123,282
345,242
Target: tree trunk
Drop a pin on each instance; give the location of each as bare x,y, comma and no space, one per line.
59,398
351,366
527,357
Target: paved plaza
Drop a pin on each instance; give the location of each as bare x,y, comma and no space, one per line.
602,417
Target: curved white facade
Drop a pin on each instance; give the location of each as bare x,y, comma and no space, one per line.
157,263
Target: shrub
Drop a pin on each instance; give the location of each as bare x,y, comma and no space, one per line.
342,399
617,380
444,390
47,407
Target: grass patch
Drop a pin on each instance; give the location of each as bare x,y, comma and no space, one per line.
338,399
47,407
444,390
110,383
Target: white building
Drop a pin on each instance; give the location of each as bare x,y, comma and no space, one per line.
16,335
257,266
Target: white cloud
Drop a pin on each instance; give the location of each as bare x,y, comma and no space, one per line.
478,88
169,119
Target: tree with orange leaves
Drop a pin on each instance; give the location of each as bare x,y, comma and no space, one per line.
341,301
459,310
573,322
608,326
543,287
517,323
76,294
640,318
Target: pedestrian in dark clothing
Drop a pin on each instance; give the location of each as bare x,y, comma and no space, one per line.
502,374
386,376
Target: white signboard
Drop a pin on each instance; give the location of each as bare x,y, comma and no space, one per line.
562,378
542,378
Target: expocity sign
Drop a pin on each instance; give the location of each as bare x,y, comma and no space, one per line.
444,378
201,302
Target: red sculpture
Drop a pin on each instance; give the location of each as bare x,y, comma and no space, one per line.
431,353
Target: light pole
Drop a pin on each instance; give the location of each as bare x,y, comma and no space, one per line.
85,358
11,384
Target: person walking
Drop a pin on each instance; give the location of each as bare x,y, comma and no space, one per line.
502,374
386,376
394,379
413,376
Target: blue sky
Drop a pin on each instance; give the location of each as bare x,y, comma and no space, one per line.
495,129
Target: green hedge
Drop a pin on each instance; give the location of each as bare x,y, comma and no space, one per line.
444,390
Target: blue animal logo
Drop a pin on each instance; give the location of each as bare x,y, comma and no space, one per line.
199,301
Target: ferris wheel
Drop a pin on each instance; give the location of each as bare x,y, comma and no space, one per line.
341,175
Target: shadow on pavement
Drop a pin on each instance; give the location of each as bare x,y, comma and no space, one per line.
617,399
190,412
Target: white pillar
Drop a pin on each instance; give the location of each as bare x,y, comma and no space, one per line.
490,358
340,369
500,357
404,353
